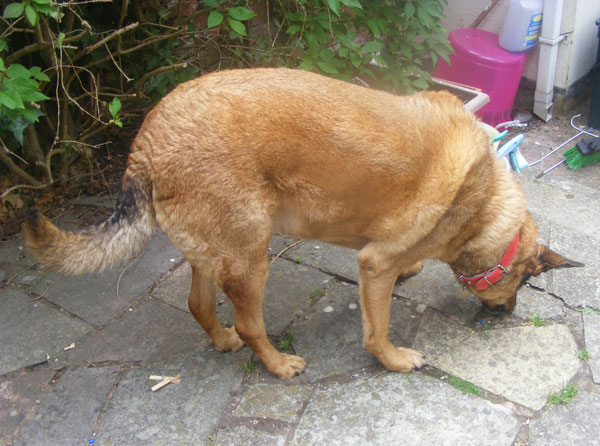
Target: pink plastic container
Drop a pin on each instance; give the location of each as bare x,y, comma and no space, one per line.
479,62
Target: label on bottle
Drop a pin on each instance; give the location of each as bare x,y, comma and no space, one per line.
533,30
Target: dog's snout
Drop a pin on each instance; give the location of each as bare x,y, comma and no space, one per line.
495,309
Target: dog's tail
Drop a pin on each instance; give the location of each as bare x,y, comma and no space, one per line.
99,247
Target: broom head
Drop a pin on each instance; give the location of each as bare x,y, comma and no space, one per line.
587,151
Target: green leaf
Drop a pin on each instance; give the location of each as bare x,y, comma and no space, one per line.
409,10
334,5
41,2
307,64
354,3
241,13
420,84
31,14
116,122
215,18
237,26
372,47
17,126
14,10
3,45
2,67
59,40
46,9
424,16
34,96
372,24
37,74
16,71
31,115
434,9
11,99
114,107
327,67
293,29
355,60
211,3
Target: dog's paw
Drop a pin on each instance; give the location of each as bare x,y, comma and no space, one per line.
228,341
404,360
287,366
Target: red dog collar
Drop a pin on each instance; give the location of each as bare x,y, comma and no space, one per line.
493,275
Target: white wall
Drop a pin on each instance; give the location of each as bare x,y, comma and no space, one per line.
576,53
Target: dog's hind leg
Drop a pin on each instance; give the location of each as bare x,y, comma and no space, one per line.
245,288
377,277
202,305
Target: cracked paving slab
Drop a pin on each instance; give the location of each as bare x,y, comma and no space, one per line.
522,364
591,328
21,394
329,337
149,330
132,279
434,286
535,302
32,331
574,423
274,401
392,409
185,413
71,411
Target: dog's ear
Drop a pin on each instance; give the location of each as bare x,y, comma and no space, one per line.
546,259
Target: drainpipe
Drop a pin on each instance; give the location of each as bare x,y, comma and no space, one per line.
549,39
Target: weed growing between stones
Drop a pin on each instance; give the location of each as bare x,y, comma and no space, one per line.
565,395
464,386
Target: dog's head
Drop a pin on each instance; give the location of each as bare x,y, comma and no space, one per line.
531,259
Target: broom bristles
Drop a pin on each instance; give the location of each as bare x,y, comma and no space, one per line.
575,159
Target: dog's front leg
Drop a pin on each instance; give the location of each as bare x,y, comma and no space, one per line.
377,277
246,292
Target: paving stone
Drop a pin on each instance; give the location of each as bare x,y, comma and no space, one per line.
276,401
69,415
31,330
550,194
185,413
21,394
93,296
151,329
288,291
522,364
534,302
16,264
577,286
329,258
591,329
436,286
393,410
574,423
329,338
242,435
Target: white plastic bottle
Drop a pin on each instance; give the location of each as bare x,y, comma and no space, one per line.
522,25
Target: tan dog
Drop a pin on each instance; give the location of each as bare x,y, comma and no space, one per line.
227,159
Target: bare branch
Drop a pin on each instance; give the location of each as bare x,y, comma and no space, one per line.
142,81
10,165
87,50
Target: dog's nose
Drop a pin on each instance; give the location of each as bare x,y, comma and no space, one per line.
495,309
